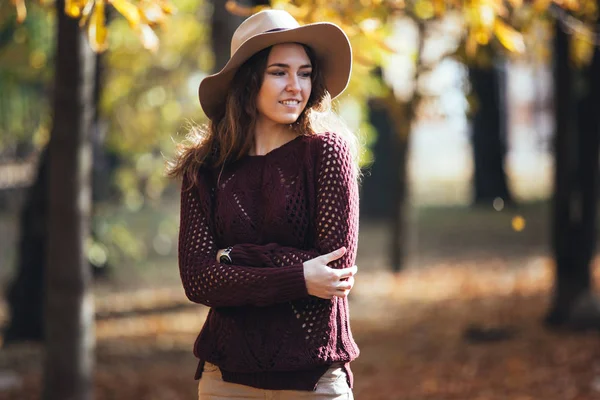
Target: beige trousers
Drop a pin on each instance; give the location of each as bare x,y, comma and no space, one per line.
331,386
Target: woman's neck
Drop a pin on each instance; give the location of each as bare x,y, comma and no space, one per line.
269,138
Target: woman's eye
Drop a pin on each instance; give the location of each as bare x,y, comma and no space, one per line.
277,73
305,74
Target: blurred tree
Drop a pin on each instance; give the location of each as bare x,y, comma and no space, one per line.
25,293
489,132
24,129
396,115
69,309
376,201
576,147
223,25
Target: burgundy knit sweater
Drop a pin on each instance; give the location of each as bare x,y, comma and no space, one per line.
277,210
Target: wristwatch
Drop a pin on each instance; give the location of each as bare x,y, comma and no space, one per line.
225,258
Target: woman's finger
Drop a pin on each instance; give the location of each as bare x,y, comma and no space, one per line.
343,285
334,255
342,293
347,272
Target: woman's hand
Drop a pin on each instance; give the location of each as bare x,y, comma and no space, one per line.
325,282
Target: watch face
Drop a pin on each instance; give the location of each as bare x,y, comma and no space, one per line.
224,259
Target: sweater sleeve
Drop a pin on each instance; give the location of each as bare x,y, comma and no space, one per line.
221,285
337,200
271,255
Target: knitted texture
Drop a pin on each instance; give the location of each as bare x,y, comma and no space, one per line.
276,211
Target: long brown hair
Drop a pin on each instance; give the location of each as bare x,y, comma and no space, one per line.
229,136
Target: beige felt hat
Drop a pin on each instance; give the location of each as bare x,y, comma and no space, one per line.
271,27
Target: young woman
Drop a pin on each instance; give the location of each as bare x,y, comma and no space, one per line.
269,216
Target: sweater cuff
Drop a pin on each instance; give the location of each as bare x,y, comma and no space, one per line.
290,282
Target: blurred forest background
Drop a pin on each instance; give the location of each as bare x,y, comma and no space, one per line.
477,256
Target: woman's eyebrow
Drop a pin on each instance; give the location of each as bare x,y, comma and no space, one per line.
282,65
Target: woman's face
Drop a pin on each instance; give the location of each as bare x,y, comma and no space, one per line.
286,85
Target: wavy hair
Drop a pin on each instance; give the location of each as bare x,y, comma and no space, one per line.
230,135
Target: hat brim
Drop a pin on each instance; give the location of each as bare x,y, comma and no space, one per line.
328,41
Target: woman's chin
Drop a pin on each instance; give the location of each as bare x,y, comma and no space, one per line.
288,119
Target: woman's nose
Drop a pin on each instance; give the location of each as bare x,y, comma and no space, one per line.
293,85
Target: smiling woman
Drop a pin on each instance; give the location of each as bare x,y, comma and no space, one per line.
283,95
269,216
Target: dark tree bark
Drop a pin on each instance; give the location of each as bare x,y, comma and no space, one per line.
400,144
69,310
575,192
25,293
488,135
384,191
223,25
377,189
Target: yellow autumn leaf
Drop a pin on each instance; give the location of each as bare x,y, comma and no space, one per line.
376,39
300,12
511,39
21,10
86,12
573,5
582,48
362,60
498,6
370,24
518,223
471,45
541,5
486,15
73,8
424,9
147,37
97,33
481,35
167,7
127,10
152,12
439,7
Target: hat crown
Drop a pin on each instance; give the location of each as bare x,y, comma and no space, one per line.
261,22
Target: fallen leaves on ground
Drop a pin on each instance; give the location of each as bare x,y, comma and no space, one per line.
412,329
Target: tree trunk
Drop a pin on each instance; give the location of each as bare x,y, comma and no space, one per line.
384,192
404,114
26,292
377,189
575,193
68,362
488,135
223,24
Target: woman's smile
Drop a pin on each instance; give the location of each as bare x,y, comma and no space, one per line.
290,103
